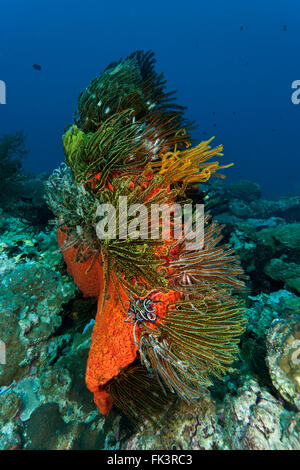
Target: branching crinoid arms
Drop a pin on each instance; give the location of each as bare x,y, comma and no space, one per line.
135,263
131,83
75,212
196,341
125,119
198,338
120,145
209,269
190,165
126,122
116,145
139,396
138,261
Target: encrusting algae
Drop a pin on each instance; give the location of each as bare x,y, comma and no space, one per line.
168,319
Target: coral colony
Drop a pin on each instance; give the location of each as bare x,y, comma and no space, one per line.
168,317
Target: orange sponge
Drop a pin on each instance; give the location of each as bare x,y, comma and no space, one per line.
113,347
89,283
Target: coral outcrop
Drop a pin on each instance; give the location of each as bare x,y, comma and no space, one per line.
168,319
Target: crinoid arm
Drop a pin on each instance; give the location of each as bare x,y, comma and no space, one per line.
209,269
196,341
136,392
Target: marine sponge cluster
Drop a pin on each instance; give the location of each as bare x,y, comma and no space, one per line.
168,319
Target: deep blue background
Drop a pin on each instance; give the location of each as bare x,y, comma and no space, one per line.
218,69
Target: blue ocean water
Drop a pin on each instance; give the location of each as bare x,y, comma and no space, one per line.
233,64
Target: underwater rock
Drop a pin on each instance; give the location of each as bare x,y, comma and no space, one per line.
266,223
10,437
19,244
255,420
258,249
12,151
46,323
188,427
266,308
66,403
288,235
243,190
251,419
10,404
47,431
261,312
56,392
31,299
242,239
281,240
268,243
226,203
288,273
260,240
30,305
239,208
283,358
287,208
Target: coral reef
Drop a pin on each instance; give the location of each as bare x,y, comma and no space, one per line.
21,194
12,151
46,348
130,142
188,427
252,419
47,322
255,420
253,408
283,357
